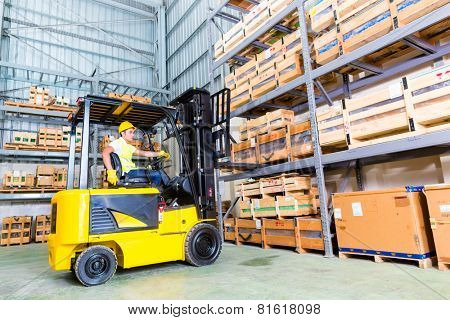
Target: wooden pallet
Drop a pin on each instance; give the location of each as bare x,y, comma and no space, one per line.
443,266
40,107
43,224
424,263
16,230
13,146
33,190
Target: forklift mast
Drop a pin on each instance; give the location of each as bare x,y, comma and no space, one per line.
195,122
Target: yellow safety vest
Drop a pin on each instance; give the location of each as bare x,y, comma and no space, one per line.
125,155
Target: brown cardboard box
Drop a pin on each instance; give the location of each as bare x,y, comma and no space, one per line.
45,170
44,181
389,222
438,198
60,178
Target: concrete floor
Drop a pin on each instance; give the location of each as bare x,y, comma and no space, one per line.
244,272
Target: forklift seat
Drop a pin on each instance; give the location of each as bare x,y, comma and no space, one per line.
138,177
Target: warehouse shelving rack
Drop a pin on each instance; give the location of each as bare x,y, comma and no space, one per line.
407,147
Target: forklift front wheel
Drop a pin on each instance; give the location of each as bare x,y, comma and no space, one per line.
95,265
203,245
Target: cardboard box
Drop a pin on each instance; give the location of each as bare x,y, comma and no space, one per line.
393,223
44,181
17,179
438,199
45,170
60,178
66,136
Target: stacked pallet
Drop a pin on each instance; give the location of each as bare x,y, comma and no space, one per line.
16,230
43,224
273,137
129,98
39,96
66,136
50,137
276,66
414,106
249,24
18,179
45,176
345,25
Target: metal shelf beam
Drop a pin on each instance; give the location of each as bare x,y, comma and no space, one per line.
26,196
381,149
37,112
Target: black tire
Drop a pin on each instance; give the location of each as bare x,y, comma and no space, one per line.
95,265
203,245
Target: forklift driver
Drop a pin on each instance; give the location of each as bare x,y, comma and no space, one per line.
123,148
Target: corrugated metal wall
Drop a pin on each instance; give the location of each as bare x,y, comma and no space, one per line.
187,43
75,48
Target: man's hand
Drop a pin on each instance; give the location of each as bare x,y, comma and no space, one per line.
164,154
112,176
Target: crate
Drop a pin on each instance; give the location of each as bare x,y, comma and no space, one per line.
270,57
50,137
429,97
250,189
39,96
438,200
384,223
245,208
129,98
274,146
18,179
264,207
66,136
43,223
248,231
25,138
301,233
60,178
257,126
243,132
241,95
45,170
294,205
245,152
44,181
301,142
16,230
332,125
279,119
289,69
230,81
377,114
256,17
360,22
264,82
246,72
292,44
229,230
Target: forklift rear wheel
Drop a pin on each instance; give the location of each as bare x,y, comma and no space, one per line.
95,265
203,245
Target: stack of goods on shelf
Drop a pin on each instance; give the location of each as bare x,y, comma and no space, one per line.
60,178
129,98
391,223
50,137
250,22
345,25
43,224
18,179
276,66
39,96
45,176
61,101
438,199
24,138
66,136
16,230
274,137
277,211
413,106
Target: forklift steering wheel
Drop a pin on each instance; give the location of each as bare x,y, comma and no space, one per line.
157,162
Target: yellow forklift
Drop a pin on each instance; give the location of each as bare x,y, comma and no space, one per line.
149,217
